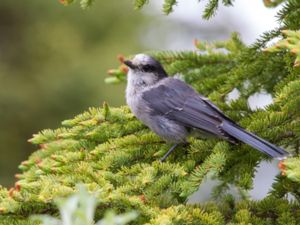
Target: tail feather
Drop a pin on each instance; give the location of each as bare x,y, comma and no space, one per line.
254,141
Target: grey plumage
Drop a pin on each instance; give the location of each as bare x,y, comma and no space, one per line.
173,109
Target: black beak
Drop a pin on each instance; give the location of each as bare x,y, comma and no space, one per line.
129,64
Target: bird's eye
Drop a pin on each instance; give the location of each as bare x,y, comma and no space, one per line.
148,68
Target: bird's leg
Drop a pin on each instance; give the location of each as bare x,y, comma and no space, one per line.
169,152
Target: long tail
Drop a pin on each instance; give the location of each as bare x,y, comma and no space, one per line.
254,141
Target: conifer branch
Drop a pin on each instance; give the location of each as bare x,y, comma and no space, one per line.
291,42
168,5
113,154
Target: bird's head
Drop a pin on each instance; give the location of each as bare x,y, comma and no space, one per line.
145,67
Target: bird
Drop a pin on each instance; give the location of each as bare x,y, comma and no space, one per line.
174,110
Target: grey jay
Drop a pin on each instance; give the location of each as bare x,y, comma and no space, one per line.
173,109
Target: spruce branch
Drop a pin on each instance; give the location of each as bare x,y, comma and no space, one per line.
138,4
168,6
210,9
83,3
79,209
291,42
115,155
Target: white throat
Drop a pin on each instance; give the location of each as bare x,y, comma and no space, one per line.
140,80
137,82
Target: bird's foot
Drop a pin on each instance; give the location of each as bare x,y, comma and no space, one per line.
169,152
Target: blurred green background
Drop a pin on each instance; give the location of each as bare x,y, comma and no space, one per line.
53,61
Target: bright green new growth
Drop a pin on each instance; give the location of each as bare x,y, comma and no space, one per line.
79,209
291,42
116,156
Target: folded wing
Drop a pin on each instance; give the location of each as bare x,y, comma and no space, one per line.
177,101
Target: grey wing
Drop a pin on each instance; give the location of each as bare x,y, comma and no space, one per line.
179,102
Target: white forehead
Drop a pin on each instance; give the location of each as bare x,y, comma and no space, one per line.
141,59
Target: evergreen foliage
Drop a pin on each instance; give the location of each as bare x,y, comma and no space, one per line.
112,153
83,3
168,5
291,42
79,209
